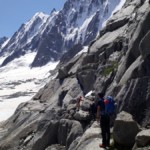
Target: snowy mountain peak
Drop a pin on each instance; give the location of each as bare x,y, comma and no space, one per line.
50,36
40,16
25,39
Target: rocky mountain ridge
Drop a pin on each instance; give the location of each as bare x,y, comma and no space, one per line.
116,63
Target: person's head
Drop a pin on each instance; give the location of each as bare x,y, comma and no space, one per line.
100,95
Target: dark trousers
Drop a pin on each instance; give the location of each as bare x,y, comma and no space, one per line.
93,111
105,127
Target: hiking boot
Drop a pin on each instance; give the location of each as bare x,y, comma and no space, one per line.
102,146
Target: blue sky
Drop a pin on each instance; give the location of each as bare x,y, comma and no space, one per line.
15,12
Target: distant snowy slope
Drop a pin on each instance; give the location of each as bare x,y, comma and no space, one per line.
19,82
17,77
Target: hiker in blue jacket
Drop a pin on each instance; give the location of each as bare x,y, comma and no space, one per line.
104,121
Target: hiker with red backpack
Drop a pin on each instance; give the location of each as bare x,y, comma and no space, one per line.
105,108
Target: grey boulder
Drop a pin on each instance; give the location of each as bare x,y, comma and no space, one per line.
125,129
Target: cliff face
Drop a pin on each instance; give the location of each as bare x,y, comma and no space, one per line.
117,63
125,38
